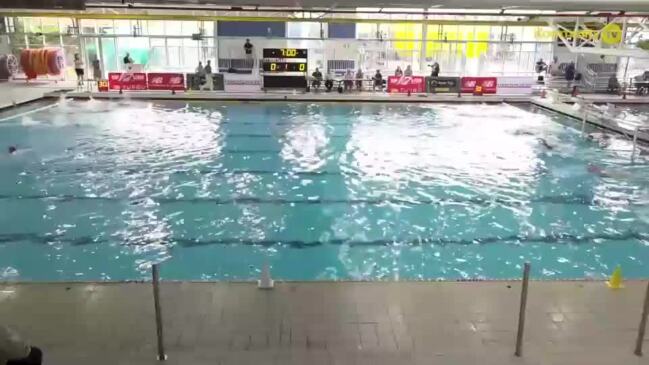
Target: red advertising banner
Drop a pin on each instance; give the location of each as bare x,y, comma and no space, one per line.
166,81
127,81
489,84
404,84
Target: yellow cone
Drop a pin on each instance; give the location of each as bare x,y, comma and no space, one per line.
615,282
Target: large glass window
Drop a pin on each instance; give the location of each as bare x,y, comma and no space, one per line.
173,27
305,30
156,27
461,49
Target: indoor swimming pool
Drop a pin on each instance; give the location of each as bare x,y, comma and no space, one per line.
100,190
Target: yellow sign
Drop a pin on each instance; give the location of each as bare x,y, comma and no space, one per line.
611,34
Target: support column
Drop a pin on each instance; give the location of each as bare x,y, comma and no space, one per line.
424,46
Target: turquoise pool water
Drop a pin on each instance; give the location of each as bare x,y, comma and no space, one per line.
100,190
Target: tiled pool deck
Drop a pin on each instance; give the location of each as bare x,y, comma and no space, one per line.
328,322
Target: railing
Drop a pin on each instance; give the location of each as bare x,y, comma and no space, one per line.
266,282
635,141
629,130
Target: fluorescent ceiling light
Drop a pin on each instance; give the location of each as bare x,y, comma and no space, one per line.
465,11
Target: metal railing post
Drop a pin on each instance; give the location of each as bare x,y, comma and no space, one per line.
158,314
643,324
521,313
635,143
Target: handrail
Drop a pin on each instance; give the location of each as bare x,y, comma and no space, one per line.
635,141
626,126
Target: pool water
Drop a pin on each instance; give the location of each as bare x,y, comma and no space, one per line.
331,191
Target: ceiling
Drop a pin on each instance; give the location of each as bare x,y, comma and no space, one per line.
511,5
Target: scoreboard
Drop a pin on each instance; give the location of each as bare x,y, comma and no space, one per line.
285,67
285,53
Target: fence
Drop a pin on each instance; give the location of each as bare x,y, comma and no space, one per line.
266,283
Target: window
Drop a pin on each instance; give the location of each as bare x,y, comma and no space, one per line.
50,25
304,30
189,28
105,26
173,27
123,27
366,31
156,27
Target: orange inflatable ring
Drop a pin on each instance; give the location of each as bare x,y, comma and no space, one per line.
42,61
55,61
26,63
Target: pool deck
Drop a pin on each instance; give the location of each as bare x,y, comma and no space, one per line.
14,93
459,323
380,97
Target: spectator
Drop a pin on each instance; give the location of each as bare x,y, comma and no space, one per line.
247,47
398,72
408,71
570,71
640,82
359,79
15,351
209,81
434,69
317,78
200,74
613,85
96,69
553,68
540,66
349,80
329,82
78,69
128,61
378,80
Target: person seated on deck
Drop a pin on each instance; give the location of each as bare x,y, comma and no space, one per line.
349,80
359,79
540,66
613,85
317,78
398,72
434,69
378,81
329,81
641,83
408,71
15,351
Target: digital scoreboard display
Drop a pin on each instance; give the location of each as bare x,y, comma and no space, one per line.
285,53
284,66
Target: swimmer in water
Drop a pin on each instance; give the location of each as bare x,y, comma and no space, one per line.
603,139
545,143
12,150
594,169
615,173
520,132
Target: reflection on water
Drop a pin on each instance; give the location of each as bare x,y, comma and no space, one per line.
100,190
